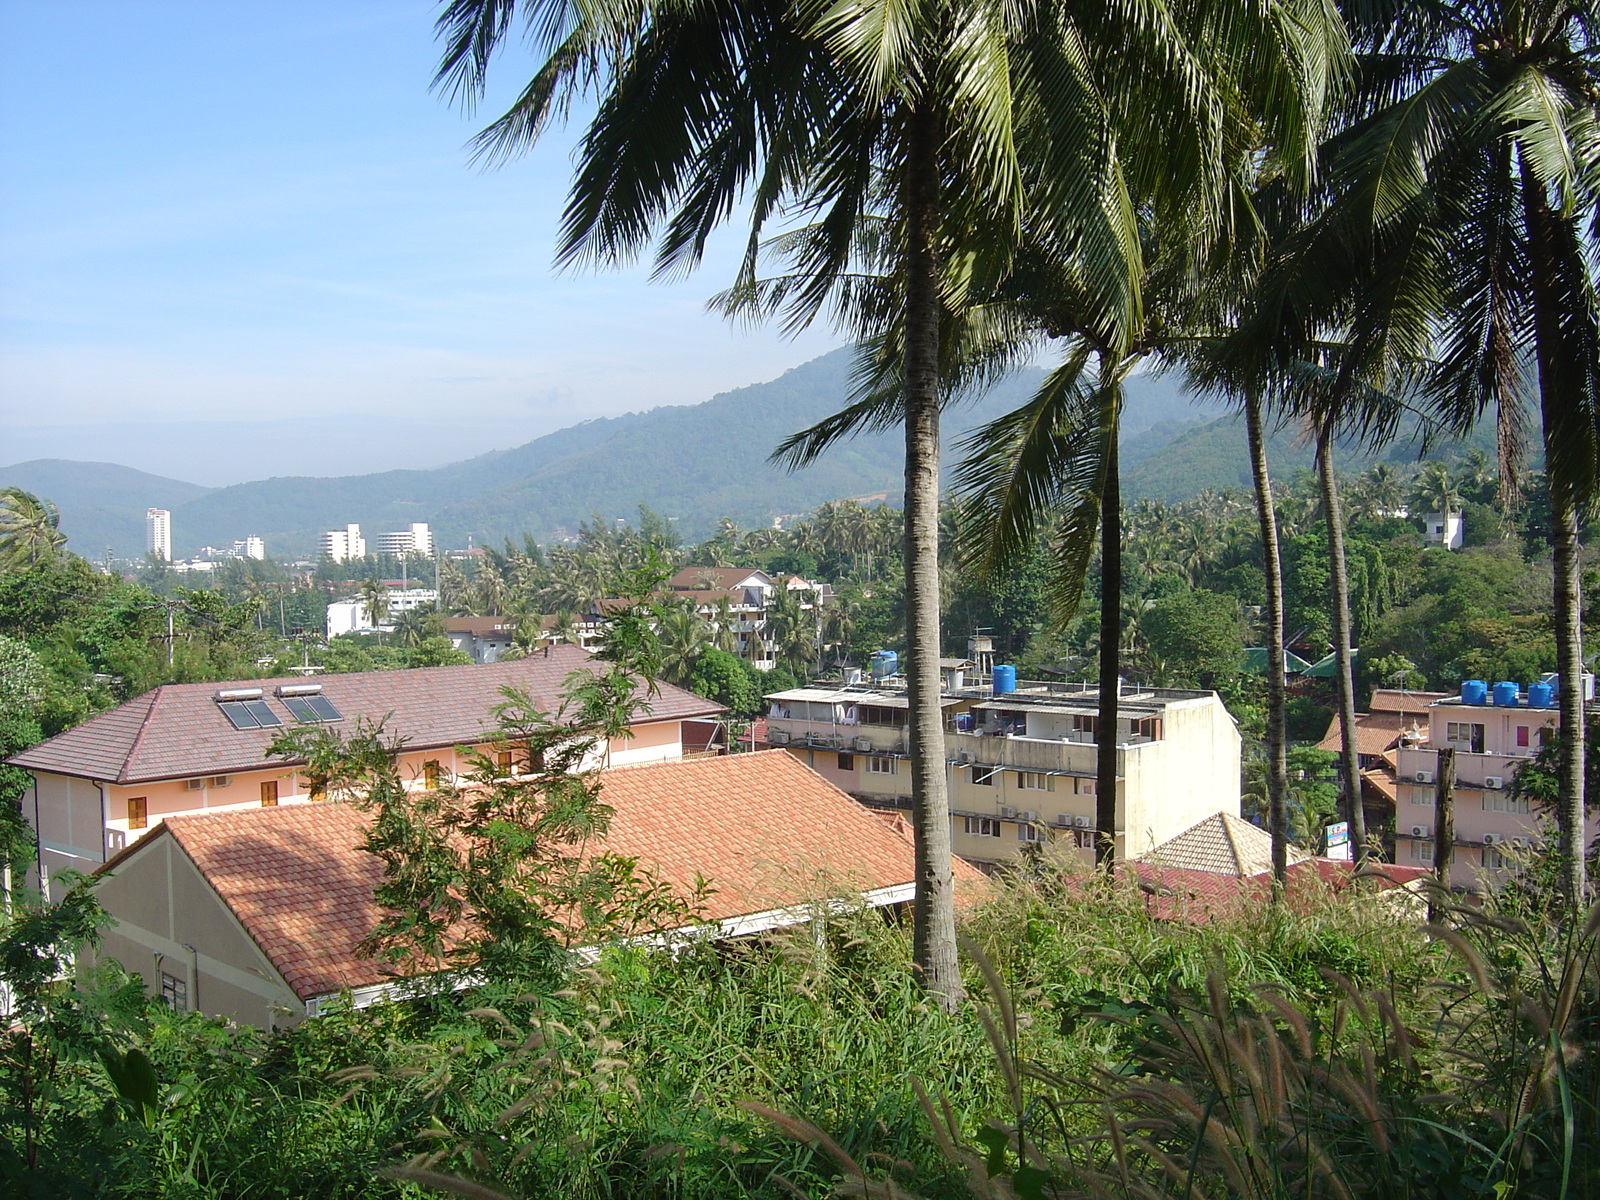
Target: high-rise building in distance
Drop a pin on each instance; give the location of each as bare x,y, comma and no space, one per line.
416,540
158,533
342,544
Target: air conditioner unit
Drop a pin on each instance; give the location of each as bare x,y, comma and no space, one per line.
1420,831
1424,776
777,737
1081,822
1519,843
1028,815
220,780
863,744
963,757
1063,820
1010,814
1493,839
1495,782
193,785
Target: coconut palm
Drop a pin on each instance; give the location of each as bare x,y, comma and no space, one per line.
1434,491
30,528
1462,223
374,598
682,635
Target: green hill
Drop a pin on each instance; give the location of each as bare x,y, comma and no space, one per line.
102,504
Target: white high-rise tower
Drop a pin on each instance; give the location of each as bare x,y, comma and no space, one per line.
158,533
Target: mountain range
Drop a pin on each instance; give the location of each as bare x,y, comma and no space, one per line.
695,463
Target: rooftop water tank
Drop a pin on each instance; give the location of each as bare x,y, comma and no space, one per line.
1541,695
1005,679
1505,694
1473,691
884,663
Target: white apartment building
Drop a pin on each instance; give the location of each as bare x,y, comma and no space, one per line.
250,547
158,533
350,616
343,544
416,540
1493,732
1021,764
1442,529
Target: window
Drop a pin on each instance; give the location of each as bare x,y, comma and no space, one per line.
1493,860
1421,852
430,774
1083,839
984,775
175,992
269,794
1522,735
502,759
1085,724
138,812
1085,787
1027,831
980,826
1035,781
880,766
1468,732
217,781
1504,802
847,762
1422,797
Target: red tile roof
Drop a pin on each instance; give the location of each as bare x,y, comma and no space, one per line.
699,578
175,731
1179,894
766,831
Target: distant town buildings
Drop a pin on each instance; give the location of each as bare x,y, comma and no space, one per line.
250,547
416,540
1021,756
158,533
351,616
340,545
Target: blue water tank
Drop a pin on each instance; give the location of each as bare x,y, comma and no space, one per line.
1473,691
1005,679
1541,695
1505,694
884,663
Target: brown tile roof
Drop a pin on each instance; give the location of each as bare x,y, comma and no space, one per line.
479,626
1396,700
766,831
175,731
1195,897
1222,844
723,578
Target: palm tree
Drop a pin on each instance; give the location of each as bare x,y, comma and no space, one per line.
682,635
1468,196
374,601
30,528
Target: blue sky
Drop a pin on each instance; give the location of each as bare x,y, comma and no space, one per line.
244,239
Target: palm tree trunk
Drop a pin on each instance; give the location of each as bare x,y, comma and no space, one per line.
1569,664
1567,562
933,905
1339,585
1272,567
1105,734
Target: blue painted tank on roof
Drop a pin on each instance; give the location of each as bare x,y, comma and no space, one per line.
1541,695
1473,691
1505,694
884,663
1005,679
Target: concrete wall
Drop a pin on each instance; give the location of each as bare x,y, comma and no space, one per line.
169,921
1191,773
66,815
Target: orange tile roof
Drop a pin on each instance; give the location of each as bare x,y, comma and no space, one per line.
765,830
175,731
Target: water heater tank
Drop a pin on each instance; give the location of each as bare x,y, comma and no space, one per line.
1473,691
1505,694
1005,679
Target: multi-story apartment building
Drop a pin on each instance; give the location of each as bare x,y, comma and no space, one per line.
202,747
1021,763
158,533
416,540
249,547
342,544
747,598
1494,733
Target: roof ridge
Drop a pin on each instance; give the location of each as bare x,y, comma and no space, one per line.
155,695
1233,842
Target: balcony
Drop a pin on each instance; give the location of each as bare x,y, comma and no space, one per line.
826,735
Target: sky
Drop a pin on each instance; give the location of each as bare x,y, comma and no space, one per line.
244,239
